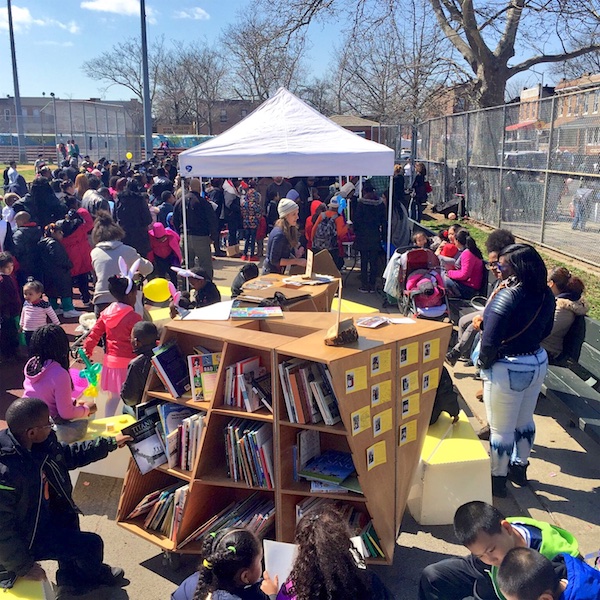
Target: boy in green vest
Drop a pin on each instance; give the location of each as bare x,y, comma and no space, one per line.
489,536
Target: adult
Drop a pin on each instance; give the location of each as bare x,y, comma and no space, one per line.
282,247
201,229
107,238
232,211
513,364
463,280
303,187
12,173
41,203
167,201
329,232
133,215
161,184
38,517
70,169
251,213
369,227
39,163
73,150
92,200
26,249
278,188
14,181
82,185
399,185
570,304
419,193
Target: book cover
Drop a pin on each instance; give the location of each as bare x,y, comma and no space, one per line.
262,387
327,404
145,447
199,364
255,312
172,369
250,369
296,396
209,385
332,466
172,415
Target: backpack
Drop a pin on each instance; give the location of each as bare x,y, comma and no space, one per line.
325,235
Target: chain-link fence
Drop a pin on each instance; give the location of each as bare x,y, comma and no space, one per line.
532,167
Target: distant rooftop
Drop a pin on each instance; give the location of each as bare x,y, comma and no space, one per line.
353,121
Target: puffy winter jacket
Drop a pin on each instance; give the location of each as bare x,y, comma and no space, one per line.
564,314
77,245
56,268
26,249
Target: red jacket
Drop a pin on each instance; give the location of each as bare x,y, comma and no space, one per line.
77,245
117,321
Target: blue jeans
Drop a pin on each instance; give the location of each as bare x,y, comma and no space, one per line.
250,243
510,391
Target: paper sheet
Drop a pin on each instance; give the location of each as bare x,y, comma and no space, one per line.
361,420
376,455
381,362
431,350
382,422
356,379
408,355
215,312
410,406
381,392
279,559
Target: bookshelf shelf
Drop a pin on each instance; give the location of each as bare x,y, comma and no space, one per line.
367,380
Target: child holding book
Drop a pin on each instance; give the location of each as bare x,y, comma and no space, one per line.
144,336
327,566
231,569
36,311
117,322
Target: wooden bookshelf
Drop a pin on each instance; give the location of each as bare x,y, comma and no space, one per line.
368,379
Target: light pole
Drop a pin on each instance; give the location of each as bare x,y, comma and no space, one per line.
18,109
58,157
146,85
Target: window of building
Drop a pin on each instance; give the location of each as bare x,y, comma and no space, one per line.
569,105
243,112
223,116
593,136
596,101
586,103
7,114
560,107
36,112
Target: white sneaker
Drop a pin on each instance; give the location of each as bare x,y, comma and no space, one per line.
71,314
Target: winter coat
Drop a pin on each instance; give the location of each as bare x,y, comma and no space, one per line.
340,226
77,245
105,261
56,268
201,219
10,296
93,201
564,314
251,211
26,249
137,373
116,322
583,580
21,488
52,384
369,223
164,243
133,215
470,271
47,209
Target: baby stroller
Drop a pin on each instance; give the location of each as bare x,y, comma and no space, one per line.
86,322
421,287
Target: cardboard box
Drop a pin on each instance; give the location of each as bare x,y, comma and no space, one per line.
232,251
454,469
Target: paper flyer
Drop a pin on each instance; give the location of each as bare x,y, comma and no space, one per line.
382,422
381,392
409,383
431,350
361,420
381,362
408,432
356,380
376,455
431,380
408,355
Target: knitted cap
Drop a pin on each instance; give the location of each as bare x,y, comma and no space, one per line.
292,195
347,189
286,207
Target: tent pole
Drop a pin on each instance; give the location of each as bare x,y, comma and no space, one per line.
185,232
388,250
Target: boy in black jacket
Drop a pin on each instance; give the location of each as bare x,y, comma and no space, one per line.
38,518
144,336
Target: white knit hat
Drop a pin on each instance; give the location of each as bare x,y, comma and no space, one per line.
286,207
347,189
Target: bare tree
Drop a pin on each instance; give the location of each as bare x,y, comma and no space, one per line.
260,58
319,94
122,65
172,103
487,33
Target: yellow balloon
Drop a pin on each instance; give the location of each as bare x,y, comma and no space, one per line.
157,290
129,156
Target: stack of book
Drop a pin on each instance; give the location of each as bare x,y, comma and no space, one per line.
246,385
308,392
358,522
254,513
203,367
332,471
249,451
172,369
163,509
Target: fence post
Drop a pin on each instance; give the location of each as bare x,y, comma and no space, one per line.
547,178
467,161
445,171
501,175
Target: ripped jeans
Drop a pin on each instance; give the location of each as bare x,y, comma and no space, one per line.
510,391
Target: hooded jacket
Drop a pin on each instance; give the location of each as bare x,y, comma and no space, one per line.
21,488
42,205
56,268
116,321
105,260
567,308
25,240
369,223
583,580
137,373
77,245
163,248
133,215
93,201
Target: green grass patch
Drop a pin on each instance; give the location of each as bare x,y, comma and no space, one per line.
591,280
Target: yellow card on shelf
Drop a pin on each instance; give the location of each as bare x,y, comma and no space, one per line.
382,422
408,355
376,455
381,362
361,420
431,380
409,383
410,406
381,392
431,350
408,432
356,380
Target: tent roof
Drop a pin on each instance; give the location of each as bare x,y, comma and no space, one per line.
286,137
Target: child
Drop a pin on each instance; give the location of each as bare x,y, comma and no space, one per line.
116,321
527,575
246,273
8,212
47,377
204,292
57,271
326,565
164,251
36,311
10,308
251,211
144,336
489,536
26,249
231,569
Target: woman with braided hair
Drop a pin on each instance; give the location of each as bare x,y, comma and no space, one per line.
231,569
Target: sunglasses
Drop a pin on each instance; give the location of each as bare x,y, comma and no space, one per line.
50,425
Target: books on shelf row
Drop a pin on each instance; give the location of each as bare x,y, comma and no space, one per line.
163,510
247,385
254,513
308,392
249,452
358,522
165,433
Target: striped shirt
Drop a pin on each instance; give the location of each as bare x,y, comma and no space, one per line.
34,316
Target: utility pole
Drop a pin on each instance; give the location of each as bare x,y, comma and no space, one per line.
146,82
18,109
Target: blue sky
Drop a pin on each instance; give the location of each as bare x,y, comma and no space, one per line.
52,42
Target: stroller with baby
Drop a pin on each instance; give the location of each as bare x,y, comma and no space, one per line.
421,290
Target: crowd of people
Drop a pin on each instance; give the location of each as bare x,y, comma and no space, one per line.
103,227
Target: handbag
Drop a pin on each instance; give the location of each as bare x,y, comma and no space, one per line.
428,188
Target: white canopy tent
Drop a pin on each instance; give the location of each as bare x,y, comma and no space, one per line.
286,137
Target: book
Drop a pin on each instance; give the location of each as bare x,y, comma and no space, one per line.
309,446
309,373
172,415
209,385
262,387
332,466
371,322
248,369
279,558
146,447
199,364
149,500
172,369
255,312
327,403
